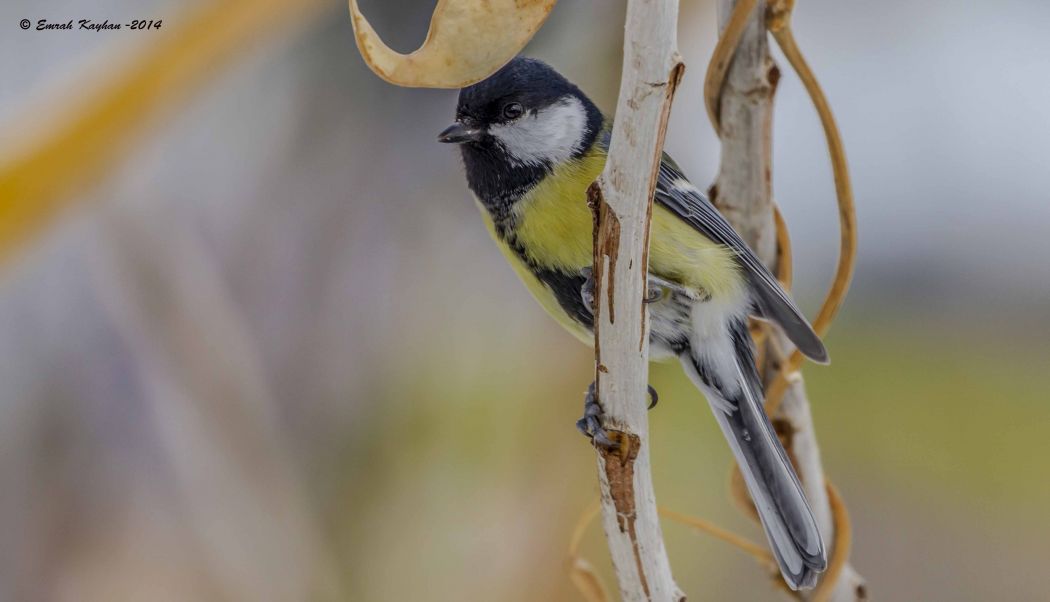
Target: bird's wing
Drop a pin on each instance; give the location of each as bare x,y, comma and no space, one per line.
677,194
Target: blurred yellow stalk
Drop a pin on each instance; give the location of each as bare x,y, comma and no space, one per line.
45,173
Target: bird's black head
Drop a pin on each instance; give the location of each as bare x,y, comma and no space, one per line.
515,126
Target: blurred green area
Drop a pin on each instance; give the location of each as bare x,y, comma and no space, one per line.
933,412
278,359
941,457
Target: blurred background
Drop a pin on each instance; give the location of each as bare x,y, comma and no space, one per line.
270,354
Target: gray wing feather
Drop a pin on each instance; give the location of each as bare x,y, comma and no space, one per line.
773,302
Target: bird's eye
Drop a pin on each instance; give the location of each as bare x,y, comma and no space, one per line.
513,110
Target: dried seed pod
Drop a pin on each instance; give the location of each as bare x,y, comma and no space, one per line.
468,40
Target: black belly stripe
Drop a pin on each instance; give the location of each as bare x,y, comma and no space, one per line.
566,289
565,286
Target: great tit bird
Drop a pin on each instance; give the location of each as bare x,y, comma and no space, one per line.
531,144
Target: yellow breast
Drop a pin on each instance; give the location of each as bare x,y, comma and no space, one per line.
554,223
540,291
555,227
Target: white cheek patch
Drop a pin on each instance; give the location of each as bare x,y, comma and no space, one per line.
551,135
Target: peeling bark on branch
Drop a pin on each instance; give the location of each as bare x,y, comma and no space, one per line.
622,203
743,193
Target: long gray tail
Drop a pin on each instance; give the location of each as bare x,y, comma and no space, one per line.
734,392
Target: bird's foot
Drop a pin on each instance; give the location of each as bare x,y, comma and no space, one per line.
587,290
591,422
656,290
654,398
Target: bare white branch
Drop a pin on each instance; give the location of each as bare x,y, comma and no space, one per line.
743,194
622,201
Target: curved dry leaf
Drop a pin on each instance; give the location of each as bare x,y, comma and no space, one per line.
468,40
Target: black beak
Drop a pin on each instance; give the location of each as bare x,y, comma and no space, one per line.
458,133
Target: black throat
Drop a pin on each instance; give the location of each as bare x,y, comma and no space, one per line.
499,182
